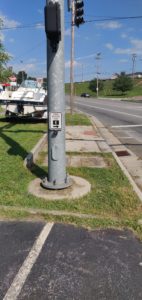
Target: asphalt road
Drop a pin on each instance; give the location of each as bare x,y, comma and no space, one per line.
122,118
60,262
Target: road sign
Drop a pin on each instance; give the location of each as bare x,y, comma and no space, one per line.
55,120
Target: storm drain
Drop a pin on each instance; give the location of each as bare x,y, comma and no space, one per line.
122,153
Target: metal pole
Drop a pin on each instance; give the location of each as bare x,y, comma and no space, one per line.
133,64
97,59
57,177
97,85
72,59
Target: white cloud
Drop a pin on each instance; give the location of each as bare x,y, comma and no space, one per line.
2,37
39,26
109,46
136,43
86,57
124,36
76,64
8,22
29,67
112,25
123,51
123,60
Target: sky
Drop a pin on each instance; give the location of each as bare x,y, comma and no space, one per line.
103,32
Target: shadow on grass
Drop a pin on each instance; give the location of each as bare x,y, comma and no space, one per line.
16,149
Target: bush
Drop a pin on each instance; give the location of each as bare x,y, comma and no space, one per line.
123,83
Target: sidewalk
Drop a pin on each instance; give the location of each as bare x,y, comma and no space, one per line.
130,164
97,138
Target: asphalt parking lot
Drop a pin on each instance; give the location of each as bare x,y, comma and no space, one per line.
57,261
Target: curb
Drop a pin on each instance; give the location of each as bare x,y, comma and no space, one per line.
44,212
100,126
32,156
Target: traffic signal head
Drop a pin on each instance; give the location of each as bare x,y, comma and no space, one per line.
53,23
79,4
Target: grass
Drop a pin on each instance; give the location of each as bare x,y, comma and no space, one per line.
77,119
82,87
111,199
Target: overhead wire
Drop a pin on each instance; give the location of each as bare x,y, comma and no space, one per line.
37,24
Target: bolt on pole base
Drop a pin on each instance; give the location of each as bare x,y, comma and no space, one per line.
59,186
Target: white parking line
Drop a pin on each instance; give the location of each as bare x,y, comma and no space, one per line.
126,126
19,280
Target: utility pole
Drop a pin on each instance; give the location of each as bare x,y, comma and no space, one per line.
76,7
97,59
72,58
54,26
133,64
82,77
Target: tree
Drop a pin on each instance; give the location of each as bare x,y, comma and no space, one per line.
31,78
4,58
123,83
93,85
44,84
21,76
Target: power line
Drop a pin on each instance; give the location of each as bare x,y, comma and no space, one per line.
35,25
40,24
113,19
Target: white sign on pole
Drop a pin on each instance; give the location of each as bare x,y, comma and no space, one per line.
55,121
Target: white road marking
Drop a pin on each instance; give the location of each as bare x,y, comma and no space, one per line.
125,137
118,112
126,126
19,280
118,106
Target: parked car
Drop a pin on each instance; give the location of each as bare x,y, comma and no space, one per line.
86,95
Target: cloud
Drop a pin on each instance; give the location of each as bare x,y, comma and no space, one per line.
112,25
8,22
109,46
124,36
123,60
86,57
137,43
39,26
67,64
123,51
2,37
136,47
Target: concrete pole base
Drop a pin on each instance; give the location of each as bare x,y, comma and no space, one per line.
55,186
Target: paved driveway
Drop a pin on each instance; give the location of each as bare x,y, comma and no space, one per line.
55,261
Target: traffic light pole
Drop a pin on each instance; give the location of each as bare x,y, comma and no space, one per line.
57,177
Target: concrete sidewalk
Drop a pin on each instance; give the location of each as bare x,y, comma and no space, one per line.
95,139
130,164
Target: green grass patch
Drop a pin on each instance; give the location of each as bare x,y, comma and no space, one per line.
77,119
111,196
